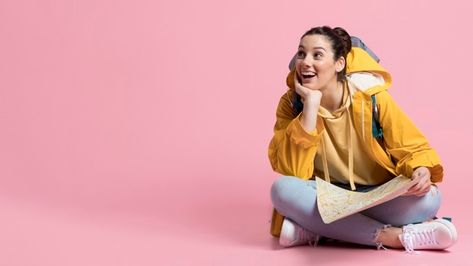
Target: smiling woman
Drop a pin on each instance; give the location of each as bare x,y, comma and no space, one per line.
323,128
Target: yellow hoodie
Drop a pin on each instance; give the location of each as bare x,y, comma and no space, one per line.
292,149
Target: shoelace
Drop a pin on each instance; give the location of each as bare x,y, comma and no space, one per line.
379,246
410,237
305,235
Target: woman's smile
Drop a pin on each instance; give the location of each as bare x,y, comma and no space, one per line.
308,76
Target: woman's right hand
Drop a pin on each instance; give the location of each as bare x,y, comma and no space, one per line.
308,96
311,100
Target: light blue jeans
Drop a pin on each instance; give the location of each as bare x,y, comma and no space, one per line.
296,199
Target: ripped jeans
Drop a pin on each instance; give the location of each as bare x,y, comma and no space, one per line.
296,199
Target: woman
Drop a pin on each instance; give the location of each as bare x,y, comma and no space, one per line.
326,127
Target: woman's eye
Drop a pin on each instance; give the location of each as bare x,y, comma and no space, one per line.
300,54
318,55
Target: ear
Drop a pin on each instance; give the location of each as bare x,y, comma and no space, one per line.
340,64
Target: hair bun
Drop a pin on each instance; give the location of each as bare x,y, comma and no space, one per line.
344,38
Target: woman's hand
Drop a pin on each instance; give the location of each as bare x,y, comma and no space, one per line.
307,95
422,176
311,100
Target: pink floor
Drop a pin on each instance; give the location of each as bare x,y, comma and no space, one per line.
226,232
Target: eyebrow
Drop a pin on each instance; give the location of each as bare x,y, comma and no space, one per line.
313,48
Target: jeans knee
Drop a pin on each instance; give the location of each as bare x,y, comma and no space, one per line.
429,205
433,199
278,188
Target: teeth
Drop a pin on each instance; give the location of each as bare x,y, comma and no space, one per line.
308,73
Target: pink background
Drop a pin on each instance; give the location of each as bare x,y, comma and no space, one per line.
136,132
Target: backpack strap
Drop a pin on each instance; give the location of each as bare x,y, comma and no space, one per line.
377,129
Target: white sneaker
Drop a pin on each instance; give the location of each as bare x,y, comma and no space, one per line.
294,235
437,234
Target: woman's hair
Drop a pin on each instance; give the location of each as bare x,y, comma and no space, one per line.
341,46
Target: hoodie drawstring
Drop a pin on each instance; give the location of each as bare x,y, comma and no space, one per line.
350,153
324,161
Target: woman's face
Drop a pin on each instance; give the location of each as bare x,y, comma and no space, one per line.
315,65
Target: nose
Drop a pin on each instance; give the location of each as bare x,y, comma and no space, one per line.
306,61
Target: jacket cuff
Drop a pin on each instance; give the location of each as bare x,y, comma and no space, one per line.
436,173
298,135
435,168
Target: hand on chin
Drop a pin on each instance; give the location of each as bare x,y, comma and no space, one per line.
311,86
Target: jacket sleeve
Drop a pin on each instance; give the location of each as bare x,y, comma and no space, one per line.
292,149
404,142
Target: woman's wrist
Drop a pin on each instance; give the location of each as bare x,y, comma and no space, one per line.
308,117
313,99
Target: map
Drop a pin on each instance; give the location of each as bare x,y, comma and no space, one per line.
335,203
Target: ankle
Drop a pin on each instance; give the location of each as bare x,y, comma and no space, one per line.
390,237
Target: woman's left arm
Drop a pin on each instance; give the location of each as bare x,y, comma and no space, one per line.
413,155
